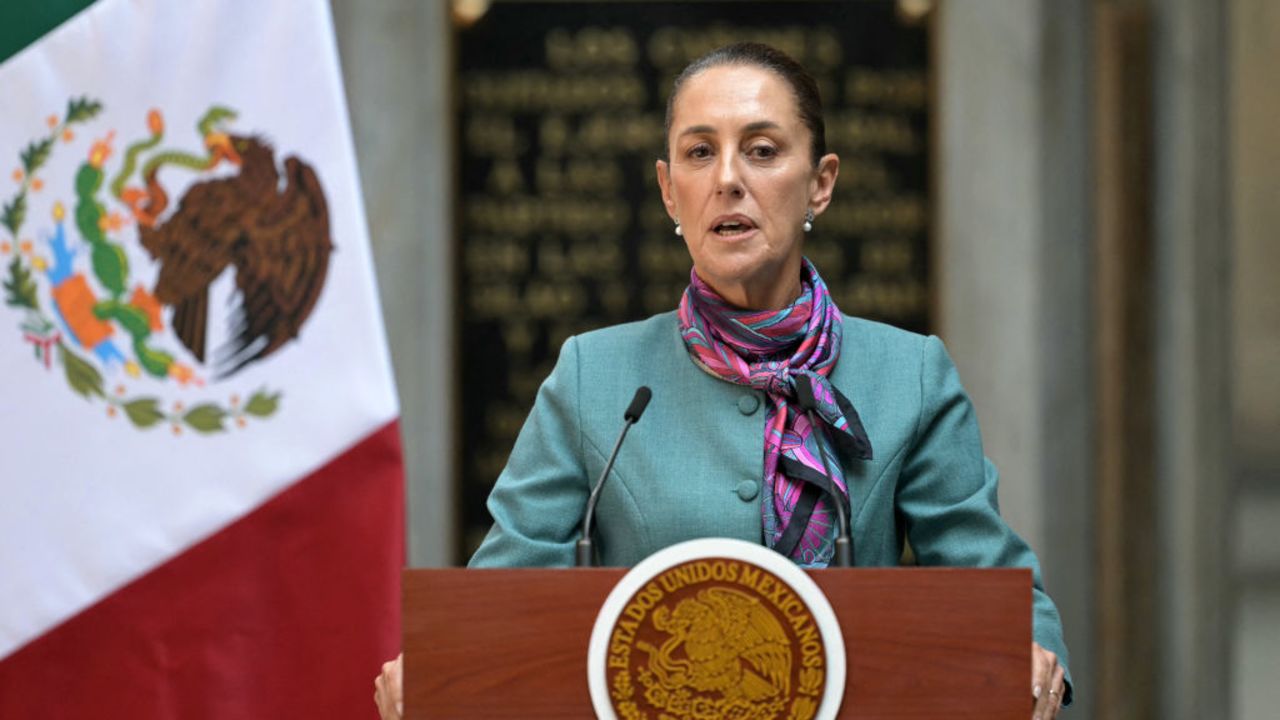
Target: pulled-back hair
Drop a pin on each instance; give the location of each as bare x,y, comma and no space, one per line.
803,86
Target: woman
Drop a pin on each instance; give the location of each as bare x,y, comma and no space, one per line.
724,450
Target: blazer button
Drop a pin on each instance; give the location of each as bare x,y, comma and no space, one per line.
748,404
748,489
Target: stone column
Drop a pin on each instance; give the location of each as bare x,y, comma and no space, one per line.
396,63
1013,257
1254,179
1192,393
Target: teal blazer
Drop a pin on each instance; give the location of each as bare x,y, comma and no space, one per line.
693,465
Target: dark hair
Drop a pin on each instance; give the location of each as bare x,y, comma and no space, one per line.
803,86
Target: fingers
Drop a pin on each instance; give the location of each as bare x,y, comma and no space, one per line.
388,689
1046,696
380,698
1059,685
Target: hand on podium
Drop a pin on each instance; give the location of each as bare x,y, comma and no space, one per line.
388,689
1048,682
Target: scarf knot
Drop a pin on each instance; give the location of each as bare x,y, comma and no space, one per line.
778,381
766,350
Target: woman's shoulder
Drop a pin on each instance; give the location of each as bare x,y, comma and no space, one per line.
611,362
888,356
862,335
648,334
881,354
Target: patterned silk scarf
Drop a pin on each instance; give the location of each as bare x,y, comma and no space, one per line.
766,350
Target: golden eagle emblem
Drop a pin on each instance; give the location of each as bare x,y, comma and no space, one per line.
715,638
722,640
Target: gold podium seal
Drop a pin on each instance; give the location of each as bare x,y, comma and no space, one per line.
716,629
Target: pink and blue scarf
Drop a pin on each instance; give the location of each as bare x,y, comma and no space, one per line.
767,350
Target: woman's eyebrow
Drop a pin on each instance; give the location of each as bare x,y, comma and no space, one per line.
756,126
698,130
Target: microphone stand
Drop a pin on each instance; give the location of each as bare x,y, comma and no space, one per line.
584,551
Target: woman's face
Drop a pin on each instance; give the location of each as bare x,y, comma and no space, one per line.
740,180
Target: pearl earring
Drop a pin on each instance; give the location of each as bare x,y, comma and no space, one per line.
679,230
808,220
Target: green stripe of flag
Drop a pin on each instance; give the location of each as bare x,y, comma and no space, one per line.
22,22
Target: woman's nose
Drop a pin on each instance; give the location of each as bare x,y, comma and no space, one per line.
728,175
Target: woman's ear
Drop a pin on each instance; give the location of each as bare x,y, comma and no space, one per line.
664,182
823,182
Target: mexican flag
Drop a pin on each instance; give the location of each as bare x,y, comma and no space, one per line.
201,491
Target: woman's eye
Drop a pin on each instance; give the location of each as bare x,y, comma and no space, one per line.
699,152
763,152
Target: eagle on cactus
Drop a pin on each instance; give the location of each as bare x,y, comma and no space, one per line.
277,239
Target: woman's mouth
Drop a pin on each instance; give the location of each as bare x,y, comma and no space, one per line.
732,227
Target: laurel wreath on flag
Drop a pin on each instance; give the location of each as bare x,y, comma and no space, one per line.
83,377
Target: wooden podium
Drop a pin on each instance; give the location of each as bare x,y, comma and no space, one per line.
921,643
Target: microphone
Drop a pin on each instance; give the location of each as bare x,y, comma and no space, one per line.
632,416
844,541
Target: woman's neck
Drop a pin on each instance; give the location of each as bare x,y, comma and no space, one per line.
761,295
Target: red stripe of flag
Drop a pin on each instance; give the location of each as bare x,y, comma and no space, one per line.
286,613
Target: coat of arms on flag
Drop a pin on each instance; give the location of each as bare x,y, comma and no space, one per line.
202,510
239,213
